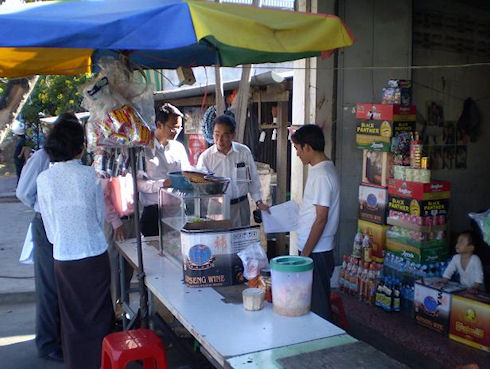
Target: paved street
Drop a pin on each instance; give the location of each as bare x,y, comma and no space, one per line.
17,307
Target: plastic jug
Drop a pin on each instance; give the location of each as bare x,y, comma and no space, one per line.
292,278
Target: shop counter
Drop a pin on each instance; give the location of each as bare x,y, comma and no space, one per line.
225,330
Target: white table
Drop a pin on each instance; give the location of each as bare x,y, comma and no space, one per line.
225,330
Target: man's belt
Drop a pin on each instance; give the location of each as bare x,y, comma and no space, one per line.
238,199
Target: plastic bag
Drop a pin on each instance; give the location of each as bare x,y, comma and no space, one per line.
254,260
27,254
121,107
483,221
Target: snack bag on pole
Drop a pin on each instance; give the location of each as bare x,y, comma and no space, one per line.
121,108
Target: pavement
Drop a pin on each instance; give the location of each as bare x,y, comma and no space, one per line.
17,299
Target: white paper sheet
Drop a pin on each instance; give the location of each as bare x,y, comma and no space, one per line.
283,218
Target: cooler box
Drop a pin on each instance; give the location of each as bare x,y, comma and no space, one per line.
209,252
470,320
432,304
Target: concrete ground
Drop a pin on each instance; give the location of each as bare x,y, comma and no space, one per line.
17,306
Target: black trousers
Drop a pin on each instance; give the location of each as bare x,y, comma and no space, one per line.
48,336
86,309
323,266
149,221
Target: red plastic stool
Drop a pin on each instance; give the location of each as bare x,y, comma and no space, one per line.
338,312
118,349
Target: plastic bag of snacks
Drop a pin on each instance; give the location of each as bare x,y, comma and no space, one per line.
483,221
254,260
119,106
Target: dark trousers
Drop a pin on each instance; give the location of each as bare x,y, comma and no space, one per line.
323,266
149,221
48,337
86,309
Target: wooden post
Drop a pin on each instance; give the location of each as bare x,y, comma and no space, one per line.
282,164
240,104
218,91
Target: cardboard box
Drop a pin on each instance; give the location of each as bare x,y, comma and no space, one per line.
383,130
377,135
432,304
372,204
422,208
377,234
377,167
391,112
416,254
470,320
209,252
435,190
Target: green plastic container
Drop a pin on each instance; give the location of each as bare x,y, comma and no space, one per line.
292,278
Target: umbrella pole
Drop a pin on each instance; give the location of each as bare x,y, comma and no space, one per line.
140,272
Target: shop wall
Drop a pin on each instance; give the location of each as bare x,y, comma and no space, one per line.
451,33
382,29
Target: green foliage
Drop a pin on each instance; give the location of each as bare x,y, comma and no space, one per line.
54,95
3,83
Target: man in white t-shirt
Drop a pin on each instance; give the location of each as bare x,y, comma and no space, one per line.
319,213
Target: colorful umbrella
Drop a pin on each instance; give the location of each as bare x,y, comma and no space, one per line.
67,37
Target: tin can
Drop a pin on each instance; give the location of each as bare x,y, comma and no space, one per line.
424,162
441,219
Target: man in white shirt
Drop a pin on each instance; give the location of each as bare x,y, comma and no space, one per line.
319,213
227,158
167,156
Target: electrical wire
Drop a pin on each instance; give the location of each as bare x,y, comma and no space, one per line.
12,277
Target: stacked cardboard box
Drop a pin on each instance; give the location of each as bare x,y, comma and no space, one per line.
379,129
418,214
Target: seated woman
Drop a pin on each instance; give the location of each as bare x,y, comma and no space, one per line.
72,207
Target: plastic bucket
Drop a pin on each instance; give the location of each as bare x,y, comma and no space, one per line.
292,278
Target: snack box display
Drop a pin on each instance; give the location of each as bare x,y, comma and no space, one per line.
470,319
396,95
430,223
417,254
432,303
421,208
405,173
372,204
418,239
209,252
436,190
376,167
390,112
377,135
377,236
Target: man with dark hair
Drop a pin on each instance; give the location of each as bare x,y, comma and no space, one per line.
168,155
48,336
319,213
230,159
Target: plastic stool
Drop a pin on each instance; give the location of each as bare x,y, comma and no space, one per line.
338,312
118,349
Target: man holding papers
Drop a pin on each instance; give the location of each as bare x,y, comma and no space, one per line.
319,213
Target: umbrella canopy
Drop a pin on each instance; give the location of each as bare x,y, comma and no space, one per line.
67,37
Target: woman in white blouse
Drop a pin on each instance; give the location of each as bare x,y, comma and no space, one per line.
72,207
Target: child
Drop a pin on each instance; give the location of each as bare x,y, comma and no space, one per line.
469,266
